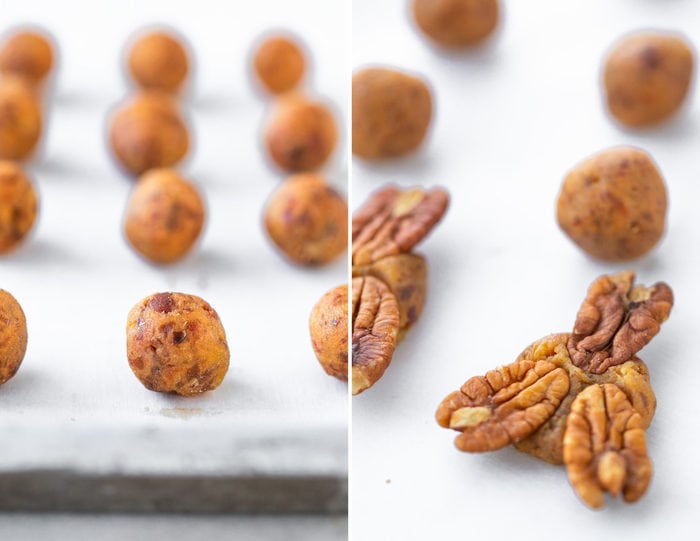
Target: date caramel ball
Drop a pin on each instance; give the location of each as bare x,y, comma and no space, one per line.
391,112
646,78
148,132
13,336
158,60
279,64
307,220
18,206
300,135
27,54
613,204
456,23
164,216
20,120
175,343
328,326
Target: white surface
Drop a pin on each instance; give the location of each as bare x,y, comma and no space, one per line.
76,278
511,119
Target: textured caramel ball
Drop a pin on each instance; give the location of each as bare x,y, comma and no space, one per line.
27,54
148,132
13,336
18,206
646,78
391,112
301,135
158,60
175,343
20,120
613,204
328,326
279,64
164,216
307,220
456,23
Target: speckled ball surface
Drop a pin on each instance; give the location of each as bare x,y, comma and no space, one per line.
20,120
391,113
613,204
328,326
148,132
13,336
158,60
18,206
27,54
301,135
456,23
307,220
646,78
164,216
176,343
279,64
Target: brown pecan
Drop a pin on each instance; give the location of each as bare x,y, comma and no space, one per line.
394,221
509,403
589,415
375,325
631,377
616,320
406,275
605,446
384,231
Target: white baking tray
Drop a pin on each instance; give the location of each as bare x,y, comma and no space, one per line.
78,429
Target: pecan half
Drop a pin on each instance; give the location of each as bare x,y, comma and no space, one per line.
509,403
616,320
605,446
393,221
631,377
407,276
375,325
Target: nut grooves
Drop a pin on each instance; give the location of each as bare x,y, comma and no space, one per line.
582,399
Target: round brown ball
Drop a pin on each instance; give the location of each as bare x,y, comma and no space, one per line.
20,120
175,343
300,135
391,112
307,220
328,326
164,216
159,61
279,64
18,206
27,54
613,204
456,23
13,336
148,132
646,78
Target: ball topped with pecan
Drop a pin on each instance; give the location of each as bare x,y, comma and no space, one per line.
389,280
388,285
581,398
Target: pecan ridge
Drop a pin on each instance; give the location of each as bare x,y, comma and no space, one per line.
581,399
384,231
616,320
605,446
375,326
394,221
